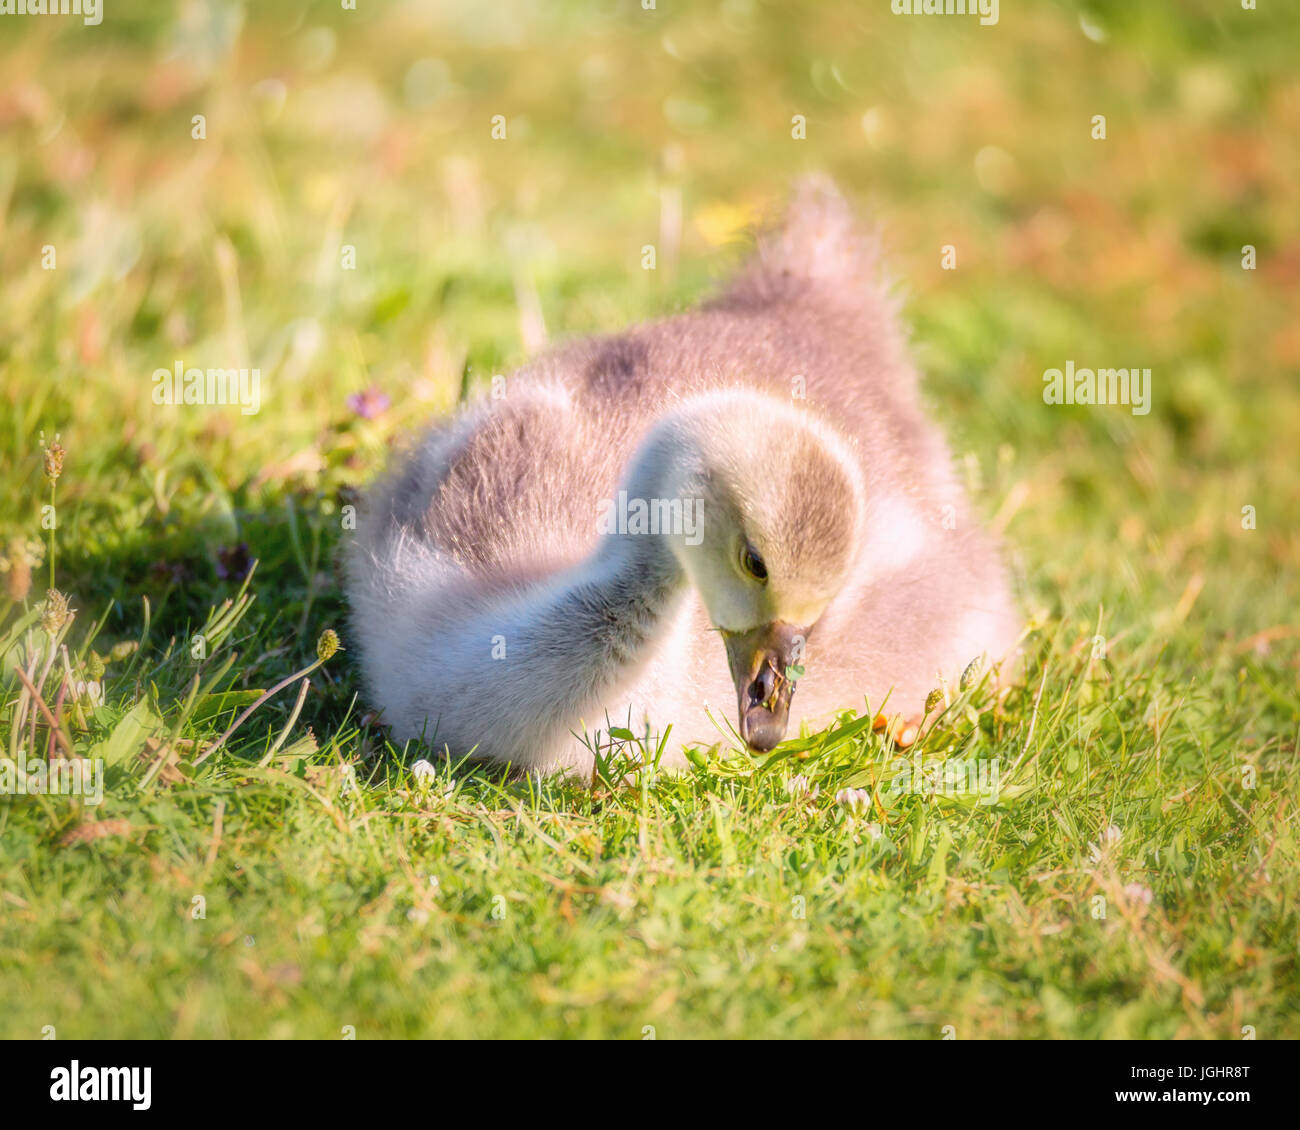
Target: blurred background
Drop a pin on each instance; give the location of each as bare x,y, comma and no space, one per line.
380,210
319,193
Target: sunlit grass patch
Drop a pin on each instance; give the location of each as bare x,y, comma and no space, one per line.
1107,849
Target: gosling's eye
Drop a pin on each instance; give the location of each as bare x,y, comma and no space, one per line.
753,564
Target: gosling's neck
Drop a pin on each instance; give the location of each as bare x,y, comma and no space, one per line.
633,583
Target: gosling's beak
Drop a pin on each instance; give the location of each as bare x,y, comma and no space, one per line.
758,660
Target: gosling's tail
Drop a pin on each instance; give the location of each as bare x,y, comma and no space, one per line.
820,269
819,250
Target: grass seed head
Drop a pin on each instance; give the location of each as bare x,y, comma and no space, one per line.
56,612
53,459
327,645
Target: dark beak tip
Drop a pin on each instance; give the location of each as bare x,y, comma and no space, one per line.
761,729
760,661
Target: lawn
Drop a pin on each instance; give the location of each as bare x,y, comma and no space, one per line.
318,193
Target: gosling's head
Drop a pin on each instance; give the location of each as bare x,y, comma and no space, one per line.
778,498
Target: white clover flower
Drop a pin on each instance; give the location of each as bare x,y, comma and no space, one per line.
799,787
89,691
854,801
427,781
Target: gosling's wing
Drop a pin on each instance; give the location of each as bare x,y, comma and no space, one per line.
509,487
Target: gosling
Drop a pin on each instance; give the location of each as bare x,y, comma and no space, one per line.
741,511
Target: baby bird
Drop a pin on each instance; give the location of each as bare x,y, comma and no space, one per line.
742,504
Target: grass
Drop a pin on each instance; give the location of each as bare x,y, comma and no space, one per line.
1137,874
